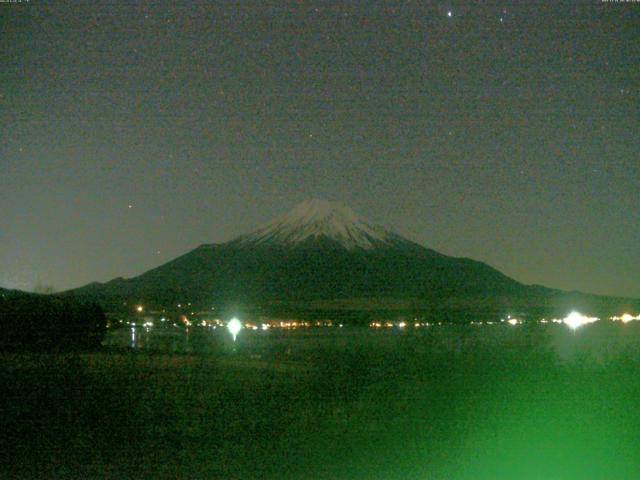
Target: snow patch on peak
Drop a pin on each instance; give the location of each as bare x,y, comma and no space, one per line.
315,219
312,211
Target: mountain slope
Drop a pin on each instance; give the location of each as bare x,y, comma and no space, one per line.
321,253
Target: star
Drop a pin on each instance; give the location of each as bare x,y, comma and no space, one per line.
449,14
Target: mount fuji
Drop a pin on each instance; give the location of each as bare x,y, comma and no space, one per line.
321,257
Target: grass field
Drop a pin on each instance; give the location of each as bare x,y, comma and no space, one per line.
458,403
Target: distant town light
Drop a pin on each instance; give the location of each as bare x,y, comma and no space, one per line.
139,309
625,318
513,321
234,327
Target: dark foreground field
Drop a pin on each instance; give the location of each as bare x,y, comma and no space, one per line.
447,405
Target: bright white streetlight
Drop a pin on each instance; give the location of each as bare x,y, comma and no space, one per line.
234,327
575,320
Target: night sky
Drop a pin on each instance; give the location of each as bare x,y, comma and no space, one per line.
504,132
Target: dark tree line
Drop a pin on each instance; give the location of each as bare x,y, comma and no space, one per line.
45,322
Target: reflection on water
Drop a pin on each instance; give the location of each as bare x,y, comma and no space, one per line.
160,340
600,341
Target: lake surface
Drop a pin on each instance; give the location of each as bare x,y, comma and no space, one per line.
454,402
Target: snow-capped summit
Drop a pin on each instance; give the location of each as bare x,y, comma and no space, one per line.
320,219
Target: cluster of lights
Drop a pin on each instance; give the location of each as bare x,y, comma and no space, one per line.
511,320
574,320
553,320
625,318
292,324
380,324
184,320
212,323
